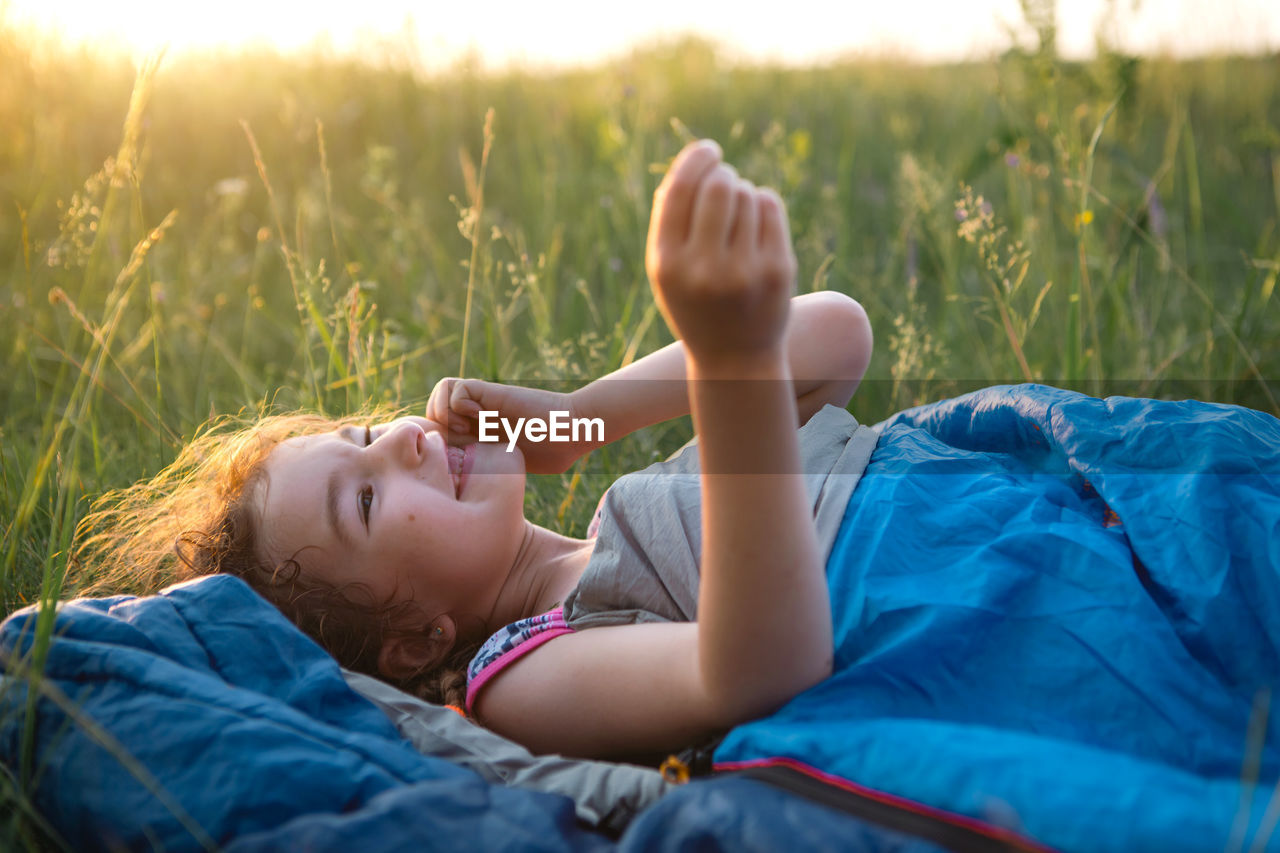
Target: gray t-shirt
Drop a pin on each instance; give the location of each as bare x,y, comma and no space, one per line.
644,567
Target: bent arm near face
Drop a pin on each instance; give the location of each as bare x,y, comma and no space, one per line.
828,345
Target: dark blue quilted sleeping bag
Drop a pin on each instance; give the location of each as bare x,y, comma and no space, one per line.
201,719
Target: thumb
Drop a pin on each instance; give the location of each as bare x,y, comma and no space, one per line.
451,404
438,401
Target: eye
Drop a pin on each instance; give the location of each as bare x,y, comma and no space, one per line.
365,501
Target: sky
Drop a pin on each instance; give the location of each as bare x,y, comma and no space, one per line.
568,32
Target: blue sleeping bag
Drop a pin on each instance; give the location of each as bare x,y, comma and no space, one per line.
1055,613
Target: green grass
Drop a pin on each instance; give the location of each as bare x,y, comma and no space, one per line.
245,231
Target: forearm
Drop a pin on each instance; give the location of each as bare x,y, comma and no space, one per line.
764,616
645,392
828,345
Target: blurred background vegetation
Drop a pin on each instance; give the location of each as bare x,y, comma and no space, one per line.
228,233
214,234
209,234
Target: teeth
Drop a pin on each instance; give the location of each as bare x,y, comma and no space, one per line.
455,456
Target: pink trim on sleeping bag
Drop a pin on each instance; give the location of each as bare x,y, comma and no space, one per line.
1020,842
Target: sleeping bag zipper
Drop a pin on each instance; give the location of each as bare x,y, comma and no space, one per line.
955,832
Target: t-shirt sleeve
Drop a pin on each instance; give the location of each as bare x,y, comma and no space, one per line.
645,566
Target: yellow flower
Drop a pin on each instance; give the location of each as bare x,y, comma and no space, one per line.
801,144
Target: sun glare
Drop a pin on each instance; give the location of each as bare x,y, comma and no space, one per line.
557,32
145,26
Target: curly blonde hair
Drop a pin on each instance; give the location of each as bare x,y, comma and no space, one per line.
198,517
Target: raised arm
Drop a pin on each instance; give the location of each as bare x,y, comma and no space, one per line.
719,257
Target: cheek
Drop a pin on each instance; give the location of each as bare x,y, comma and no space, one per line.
496,460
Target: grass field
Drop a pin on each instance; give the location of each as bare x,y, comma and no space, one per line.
210,236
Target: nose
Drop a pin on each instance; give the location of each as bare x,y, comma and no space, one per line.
404,443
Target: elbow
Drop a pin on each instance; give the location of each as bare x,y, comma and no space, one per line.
805,677
841,323
848,329
825,669
741,700
812,672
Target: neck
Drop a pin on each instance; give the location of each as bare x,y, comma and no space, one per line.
546,570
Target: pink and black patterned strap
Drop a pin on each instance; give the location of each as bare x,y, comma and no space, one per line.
509,644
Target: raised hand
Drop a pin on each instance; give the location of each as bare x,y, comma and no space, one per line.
720,261
456,405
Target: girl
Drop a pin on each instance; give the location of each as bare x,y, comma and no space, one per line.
402,546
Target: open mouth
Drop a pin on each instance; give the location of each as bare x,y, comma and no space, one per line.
460,462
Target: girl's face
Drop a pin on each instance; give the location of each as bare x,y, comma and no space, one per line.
393,507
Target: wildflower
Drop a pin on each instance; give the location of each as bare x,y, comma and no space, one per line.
801,143
975,215
1012,160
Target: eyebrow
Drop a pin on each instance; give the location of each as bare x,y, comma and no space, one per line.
331,509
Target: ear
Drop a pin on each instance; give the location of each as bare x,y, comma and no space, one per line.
404,655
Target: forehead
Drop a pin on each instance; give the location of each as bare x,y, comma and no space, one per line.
344,432
292,494
305,460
